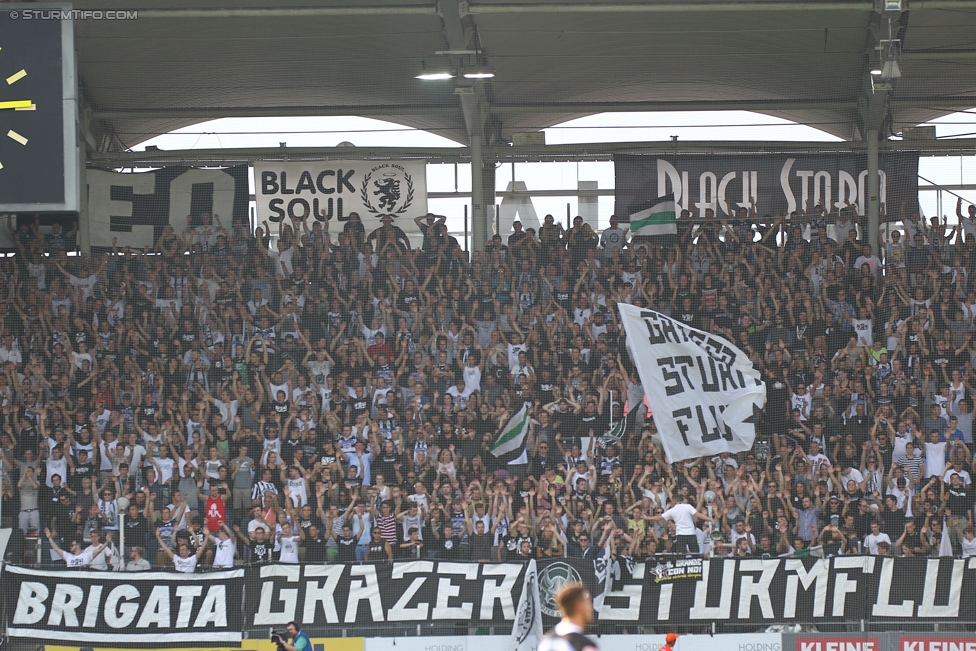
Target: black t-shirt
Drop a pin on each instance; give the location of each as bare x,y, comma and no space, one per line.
959,500
347,550
894,523
136,530
148,412
385,464
261,551
82,470
912,541
593,421
315,549
288,447
449,548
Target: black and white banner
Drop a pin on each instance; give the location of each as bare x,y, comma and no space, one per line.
780,182
330,190
754,591
703,390
213,609
136,207
122,608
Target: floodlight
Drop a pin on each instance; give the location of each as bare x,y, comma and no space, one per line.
435,70
889,62
478,71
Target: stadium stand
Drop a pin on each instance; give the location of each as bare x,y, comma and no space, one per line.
333,396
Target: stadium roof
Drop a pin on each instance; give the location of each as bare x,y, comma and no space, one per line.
181,63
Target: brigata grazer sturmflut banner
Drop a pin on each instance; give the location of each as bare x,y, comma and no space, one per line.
679,591
780,182
168,609
122,608
704,391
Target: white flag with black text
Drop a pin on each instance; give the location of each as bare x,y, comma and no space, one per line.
603,570
703,391
527,628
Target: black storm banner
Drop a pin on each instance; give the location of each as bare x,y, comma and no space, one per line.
135,208
779,182
755,591
123,608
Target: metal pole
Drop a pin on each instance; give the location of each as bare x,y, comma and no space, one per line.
121,540
465,224
479,216
873,190
84,221
671,7
569,219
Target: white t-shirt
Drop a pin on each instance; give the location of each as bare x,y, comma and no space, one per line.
186,565
818,460
227,410
513,354
863,331
56,467
299,494
934,458
100,562
289,549
81,560
683,516
224,555
165,468
84,285
968,547
963,475
871,542
472,379
559,643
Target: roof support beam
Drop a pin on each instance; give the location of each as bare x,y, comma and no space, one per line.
291,12
679,105
676,7
552,108
460,34
213,113
585,152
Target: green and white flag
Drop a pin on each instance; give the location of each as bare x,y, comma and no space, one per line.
513,438
655,217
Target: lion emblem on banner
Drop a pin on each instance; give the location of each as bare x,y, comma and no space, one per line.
387,189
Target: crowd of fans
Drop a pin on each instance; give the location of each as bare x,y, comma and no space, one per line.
332,395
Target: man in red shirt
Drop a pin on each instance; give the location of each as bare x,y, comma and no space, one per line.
216,509
380,348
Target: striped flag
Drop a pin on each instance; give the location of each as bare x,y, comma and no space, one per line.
511,443
654,217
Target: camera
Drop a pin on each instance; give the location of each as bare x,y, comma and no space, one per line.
278,639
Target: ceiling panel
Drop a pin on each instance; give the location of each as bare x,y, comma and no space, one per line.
545,57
